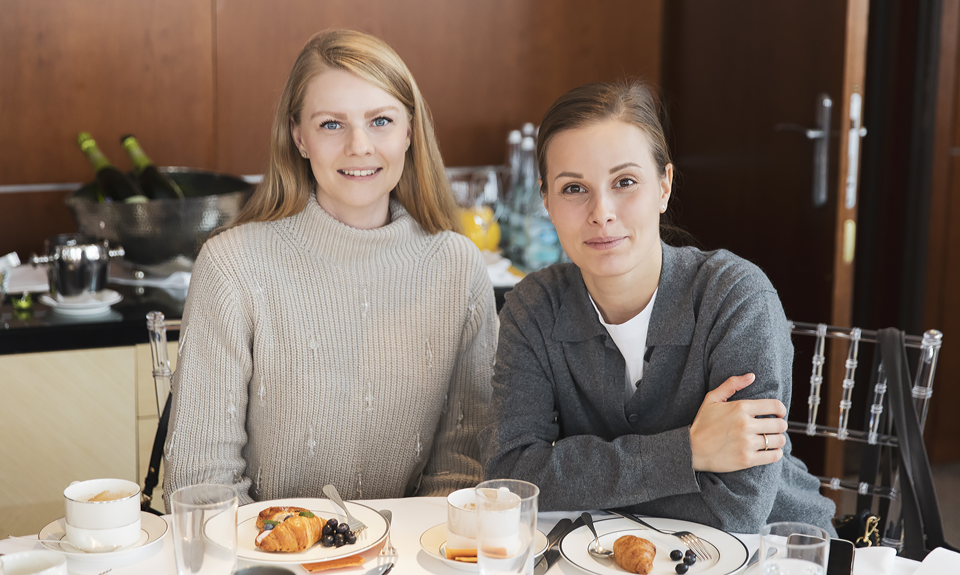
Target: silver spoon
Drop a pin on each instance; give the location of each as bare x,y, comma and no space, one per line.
595,549
103,549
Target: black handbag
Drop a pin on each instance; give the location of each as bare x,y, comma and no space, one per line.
922,526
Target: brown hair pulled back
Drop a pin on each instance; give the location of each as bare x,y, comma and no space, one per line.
423,189
630,101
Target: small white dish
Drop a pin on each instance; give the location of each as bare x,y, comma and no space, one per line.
434,540
99,303
152,530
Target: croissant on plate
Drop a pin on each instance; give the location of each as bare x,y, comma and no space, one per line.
634,554
292,532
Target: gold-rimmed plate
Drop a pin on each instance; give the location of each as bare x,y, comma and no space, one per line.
247,531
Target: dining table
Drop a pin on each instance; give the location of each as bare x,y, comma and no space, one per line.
412,518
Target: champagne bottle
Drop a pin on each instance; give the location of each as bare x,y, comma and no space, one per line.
154,183
115,186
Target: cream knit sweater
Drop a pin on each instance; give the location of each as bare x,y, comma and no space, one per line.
313,353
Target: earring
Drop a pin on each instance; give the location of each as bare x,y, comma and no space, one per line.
663,208
303,153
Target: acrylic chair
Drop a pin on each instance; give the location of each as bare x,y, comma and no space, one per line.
877,435
157,327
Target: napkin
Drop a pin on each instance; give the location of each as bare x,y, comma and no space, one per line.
28,278
939,561
874,560
499,270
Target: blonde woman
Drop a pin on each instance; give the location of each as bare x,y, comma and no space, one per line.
340,331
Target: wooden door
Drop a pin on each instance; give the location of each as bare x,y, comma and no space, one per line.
733,72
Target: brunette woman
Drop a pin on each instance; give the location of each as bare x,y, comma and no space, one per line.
340,331
642,375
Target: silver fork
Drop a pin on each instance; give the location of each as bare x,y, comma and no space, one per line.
355,524
691,540
388,553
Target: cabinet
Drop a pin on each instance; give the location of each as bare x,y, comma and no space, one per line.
64,416
67,416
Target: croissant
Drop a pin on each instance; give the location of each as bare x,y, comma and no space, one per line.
634,554
293,532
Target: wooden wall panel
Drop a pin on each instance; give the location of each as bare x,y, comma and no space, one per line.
484,67
107,67
942,307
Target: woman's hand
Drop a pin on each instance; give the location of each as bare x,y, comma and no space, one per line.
728,436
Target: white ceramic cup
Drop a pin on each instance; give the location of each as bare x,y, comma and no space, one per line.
91,525
38,562
462,519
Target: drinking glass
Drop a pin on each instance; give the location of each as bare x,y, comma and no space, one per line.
507,523
205,529
478,191
790,548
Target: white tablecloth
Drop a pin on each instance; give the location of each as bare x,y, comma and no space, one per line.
411,517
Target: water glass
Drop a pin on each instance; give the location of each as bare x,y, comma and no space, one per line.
205,529
790,548
507,523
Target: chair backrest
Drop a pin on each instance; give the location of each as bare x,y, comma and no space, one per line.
157,327
877,430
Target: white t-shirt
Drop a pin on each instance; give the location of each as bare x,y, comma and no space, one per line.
631,340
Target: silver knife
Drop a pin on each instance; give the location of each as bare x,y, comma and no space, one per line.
552,554
557,533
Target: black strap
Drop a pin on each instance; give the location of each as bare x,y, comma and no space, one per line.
870,456
153,473
922,524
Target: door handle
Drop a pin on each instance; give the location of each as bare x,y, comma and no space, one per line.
821,147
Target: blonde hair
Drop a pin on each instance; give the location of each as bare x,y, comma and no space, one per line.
423,189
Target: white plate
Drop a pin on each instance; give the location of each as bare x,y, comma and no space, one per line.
433,540
247,531
729,553
152,530
98,303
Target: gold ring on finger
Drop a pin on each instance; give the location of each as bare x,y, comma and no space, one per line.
766,442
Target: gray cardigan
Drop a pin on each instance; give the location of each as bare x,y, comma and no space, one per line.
559,417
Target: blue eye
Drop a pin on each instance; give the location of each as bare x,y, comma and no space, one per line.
381,121
330,125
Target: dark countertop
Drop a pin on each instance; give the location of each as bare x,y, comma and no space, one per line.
125,324
44,329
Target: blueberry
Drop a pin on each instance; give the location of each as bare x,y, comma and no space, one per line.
689,559
676,555
327,541
682,568
338,540
327,530
350,538
343,528
688,553
332,522
268,526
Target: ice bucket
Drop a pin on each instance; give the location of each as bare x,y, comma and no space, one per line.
164,236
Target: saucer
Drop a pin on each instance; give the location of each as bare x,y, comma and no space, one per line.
434,540
97,303
152,530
